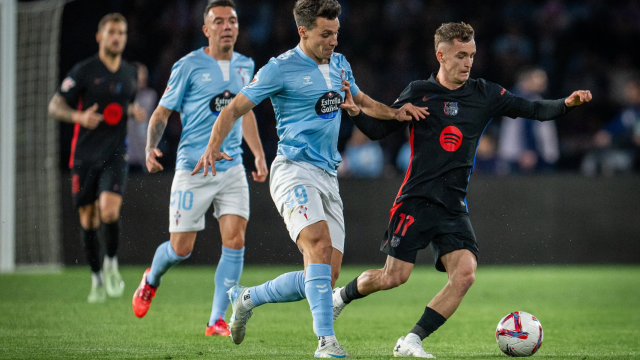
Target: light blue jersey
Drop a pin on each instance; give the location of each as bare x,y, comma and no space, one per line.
199,88
306,103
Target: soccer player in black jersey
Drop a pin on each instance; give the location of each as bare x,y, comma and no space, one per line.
431,206
97,95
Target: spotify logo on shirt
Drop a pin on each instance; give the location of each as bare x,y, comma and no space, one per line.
220,101
328,105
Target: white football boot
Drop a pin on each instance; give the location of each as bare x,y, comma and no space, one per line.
411,346
112,277
97,293
329,348
241,304
338,303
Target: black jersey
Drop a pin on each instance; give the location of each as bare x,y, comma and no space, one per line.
444,144
88,83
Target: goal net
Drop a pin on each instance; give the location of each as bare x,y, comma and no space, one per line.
37,201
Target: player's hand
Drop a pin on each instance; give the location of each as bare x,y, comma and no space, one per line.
89,118
578,98
348,104
410,112
153,165
261,166
139,113
209,158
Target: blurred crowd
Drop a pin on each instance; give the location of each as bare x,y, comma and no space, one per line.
536,49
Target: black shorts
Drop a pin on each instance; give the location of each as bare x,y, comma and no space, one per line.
416,223
90,179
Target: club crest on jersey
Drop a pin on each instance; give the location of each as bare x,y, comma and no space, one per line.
451,108
221,101
395,241
328,105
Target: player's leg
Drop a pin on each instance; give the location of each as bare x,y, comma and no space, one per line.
190,199
110,204
112,183
394,273
85,189
231,208
89,223
460,266
228,271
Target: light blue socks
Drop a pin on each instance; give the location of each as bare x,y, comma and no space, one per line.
163,260
285,288
317,287
227,275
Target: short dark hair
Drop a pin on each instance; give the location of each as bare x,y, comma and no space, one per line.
453,31
307,11
113,17
216,3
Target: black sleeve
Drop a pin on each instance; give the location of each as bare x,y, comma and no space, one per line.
373,128
134,82
72,86
507,104
376,129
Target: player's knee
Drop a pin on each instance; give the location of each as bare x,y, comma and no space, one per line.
109,216
182,250
235,241
463,280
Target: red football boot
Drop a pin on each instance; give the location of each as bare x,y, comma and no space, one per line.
220,328
142,297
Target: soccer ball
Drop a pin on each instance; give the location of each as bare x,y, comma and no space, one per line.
519,334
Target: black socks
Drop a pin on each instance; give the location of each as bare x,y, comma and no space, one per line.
350,292
430,321
91,248
111,234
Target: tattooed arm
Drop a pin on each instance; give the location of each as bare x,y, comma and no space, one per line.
156,128
59,109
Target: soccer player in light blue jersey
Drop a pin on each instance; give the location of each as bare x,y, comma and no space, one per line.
305,86
201,85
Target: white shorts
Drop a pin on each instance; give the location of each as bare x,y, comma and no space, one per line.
305,194
192,195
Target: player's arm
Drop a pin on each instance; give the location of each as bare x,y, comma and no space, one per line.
542,110
373,128
239,106
252,137
157,124
380,111
59,109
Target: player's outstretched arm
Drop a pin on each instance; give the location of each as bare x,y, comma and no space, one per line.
374,129
380,111
59,109
252,137
157,123
239,106
542,110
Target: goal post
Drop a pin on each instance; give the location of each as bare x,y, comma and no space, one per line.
8,33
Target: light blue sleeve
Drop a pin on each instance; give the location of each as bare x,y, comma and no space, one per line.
176,87
349,77
268,81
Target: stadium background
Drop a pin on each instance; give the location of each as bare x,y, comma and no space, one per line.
554,216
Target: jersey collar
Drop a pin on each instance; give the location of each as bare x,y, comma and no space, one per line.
304,56
433,80
233,55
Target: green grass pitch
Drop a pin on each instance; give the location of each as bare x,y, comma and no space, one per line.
587,312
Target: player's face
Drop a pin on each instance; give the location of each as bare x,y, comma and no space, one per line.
457,60
323,39
113,37
221,27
